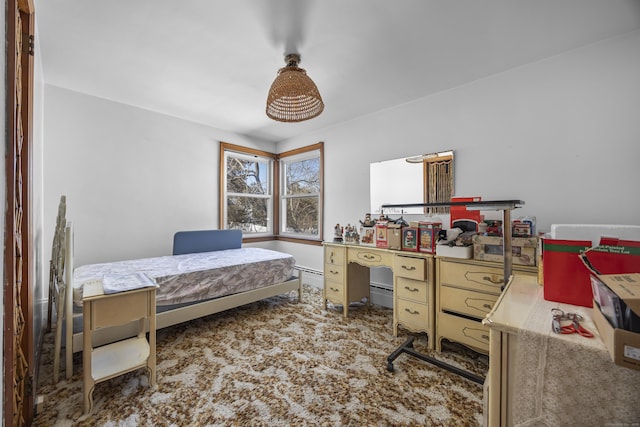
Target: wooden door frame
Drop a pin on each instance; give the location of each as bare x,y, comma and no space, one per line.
18,392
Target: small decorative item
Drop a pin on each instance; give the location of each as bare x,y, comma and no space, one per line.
368,236
368,221
381,229
337,233
351,235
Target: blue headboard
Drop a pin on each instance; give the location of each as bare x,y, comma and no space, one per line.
189,242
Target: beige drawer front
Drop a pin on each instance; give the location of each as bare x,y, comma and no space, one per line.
334,291
369,257
462,301
464,331
475,277
412,268
412,289
412,315
334,272
334,255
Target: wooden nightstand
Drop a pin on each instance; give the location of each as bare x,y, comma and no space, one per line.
108,361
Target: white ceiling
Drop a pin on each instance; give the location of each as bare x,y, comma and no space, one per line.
212,61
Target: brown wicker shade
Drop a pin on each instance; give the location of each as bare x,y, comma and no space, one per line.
293,96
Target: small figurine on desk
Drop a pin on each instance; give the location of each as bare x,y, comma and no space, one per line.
368,221
351,235
337,233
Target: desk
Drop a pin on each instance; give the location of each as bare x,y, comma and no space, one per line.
347,279
537,377
108,361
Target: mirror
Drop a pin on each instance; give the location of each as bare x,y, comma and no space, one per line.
415,179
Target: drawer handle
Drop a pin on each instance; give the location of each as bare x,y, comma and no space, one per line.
487,306
367,256
413,267
333,272
411,311
492,280
412,289
331,259
334,289
485,337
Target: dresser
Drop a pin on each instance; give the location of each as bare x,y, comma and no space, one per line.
466,291
347,280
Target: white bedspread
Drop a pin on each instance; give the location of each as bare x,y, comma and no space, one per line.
199,276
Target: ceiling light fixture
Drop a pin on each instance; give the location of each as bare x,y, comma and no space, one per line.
293,96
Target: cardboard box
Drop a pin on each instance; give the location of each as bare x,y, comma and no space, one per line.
565,276
428,235
623,346
489,248
394,236
410,239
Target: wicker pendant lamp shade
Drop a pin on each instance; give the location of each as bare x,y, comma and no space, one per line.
293,96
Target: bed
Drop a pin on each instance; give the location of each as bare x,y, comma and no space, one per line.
209,272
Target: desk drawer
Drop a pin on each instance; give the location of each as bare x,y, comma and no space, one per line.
369,257
334,291
474,277
409,267
334,255
414,316
414,290
334,272
464,331
476,304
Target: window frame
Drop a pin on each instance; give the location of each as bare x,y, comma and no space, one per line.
245,152
276,186
301,154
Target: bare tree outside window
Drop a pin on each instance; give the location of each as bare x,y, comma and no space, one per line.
301,196
248,193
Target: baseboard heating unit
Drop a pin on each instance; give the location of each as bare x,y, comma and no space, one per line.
381,294
311,277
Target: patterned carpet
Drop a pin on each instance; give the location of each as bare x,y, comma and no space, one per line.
276,363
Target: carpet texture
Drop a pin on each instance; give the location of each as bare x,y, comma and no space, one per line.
276,363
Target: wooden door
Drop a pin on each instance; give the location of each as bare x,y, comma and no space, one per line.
18,339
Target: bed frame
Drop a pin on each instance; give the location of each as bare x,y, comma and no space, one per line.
184,242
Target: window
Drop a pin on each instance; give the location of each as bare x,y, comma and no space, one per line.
300,200
272,196
247,184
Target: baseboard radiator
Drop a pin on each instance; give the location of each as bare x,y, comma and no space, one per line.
381,293
311,277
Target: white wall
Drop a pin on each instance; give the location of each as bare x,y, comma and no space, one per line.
561,134
41,256
132,177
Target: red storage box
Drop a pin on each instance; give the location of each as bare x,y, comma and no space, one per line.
566,278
